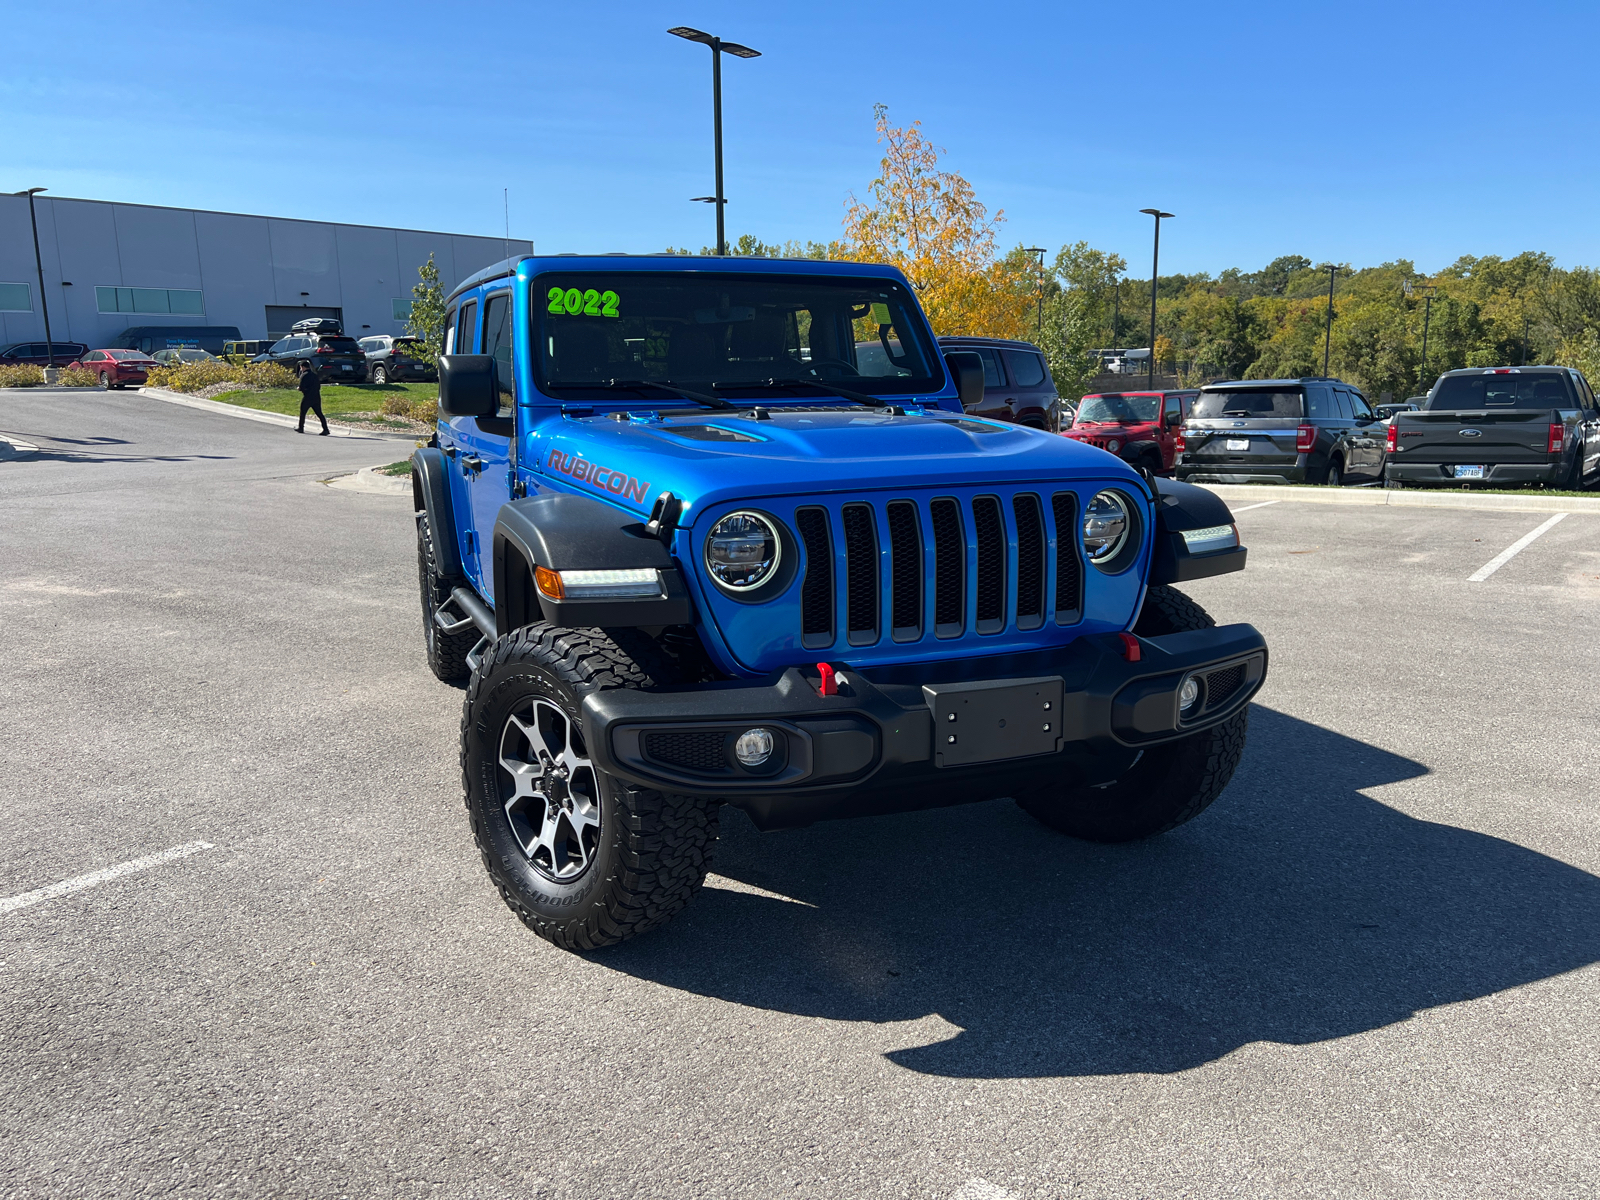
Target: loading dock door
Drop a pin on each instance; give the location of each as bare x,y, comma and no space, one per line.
281,316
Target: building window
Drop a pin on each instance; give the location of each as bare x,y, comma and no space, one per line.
15,297
149,300
402,309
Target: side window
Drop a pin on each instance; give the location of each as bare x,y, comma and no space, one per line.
450,332
1174,405
1341,399
1027,370
993,376
1358,405
497,340
1585,393
466,328
1319,403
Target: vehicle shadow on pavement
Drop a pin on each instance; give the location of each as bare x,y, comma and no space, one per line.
1295,910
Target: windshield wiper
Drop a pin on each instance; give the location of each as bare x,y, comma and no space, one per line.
674,389
817,385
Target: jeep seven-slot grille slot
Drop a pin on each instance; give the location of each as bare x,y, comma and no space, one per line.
965,535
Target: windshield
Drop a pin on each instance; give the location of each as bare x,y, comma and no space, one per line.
706,331
123,355
1548,389
1247,403
1120,407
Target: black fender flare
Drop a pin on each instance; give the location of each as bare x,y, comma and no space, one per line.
565,532
430,493
1181,507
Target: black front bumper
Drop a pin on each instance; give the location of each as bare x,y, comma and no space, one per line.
876,746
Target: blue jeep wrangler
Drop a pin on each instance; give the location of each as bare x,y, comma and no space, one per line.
715,531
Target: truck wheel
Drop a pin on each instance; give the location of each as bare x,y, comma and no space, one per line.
584,859
1334,477
447,652
1169,784
380,375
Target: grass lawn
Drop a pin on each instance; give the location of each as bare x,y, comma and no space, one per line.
361,402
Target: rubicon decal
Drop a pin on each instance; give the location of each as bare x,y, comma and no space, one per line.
618,483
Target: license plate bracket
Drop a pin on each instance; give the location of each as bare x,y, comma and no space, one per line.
1469,472
1238,443
993,720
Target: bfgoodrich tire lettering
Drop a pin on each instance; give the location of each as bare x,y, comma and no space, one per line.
1171,783
652,849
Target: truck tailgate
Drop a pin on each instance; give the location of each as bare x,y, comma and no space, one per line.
1501,436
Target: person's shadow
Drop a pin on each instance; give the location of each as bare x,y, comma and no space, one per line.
1294,910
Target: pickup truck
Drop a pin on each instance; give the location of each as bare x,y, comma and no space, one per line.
687,545
1498,427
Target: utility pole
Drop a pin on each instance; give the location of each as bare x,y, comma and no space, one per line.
1155,264
1428,292
38,263
1039,250
1327,337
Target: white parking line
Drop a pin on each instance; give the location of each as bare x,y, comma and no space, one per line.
1511,551
77,884
1263,504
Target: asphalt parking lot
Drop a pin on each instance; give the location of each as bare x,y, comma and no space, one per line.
1368,970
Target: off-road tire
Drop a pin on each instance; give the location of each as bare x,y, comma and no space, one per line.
654,848
1169,784
380,376
447,652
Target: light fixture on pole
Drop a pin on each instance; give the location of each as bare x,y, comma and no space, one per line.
38,263
718,49
1327,337
1155,263
1040,251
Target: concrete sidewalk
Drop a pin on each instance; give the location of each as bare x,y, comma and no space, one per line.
1239,494
338,428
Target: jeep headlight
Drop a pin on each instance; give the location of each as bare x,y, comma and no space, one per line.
742,551
1106,523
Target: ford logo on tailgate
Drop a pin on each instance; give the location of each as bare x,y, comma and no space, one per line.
1470,432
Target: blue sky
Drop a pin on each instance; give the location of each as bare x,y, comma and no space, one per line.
1354,132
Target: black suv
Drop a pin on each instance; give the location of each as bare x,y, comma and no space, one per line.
334,357
390,359
1313,430
1016,381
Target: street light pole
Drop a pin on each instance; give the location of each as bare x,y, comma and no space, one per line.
1155,263
1327,337
1039,250
718,48
38,263
1427,317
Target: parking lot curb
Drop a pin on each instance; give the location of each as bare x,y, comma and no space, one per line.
1245,493
269,418
372,482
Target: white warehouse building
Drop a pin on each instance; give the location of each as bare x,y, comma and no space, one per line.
111,269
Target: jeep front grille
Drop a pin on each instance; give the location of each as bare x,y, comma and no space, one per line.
1011,567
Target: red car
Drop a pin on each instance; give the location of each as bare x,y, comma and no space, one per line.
118,368
1142,428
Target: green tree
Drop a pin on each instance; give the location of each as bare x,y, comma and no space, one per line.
426,321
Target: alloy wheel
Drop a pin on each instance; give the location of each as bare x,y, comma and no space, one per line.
550,791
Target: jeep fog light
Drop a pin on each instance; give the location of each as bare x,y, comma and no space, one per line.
742,551
754,747
1105,526
1215,537
611,585
1188,695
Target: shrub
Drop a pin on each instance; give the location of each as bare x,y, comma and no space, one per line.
21,375
77,375
403,405
192,377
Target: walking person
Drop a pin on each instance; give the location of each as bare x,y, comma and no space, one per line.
311,397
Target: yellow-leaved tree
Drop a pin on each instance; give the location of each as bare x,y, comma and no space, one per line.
930,224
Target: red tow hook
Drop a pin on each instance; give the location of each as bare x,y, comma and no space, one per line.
1130,647
827,685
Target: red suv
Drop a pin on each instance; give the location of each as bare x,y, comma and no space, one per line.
1139,427
117,368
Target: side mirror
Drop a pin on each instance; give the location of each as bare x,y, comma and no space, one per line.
467,385
1174,419
966,368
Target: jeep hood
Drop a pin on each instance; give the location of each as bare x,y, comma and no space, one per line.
704,460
